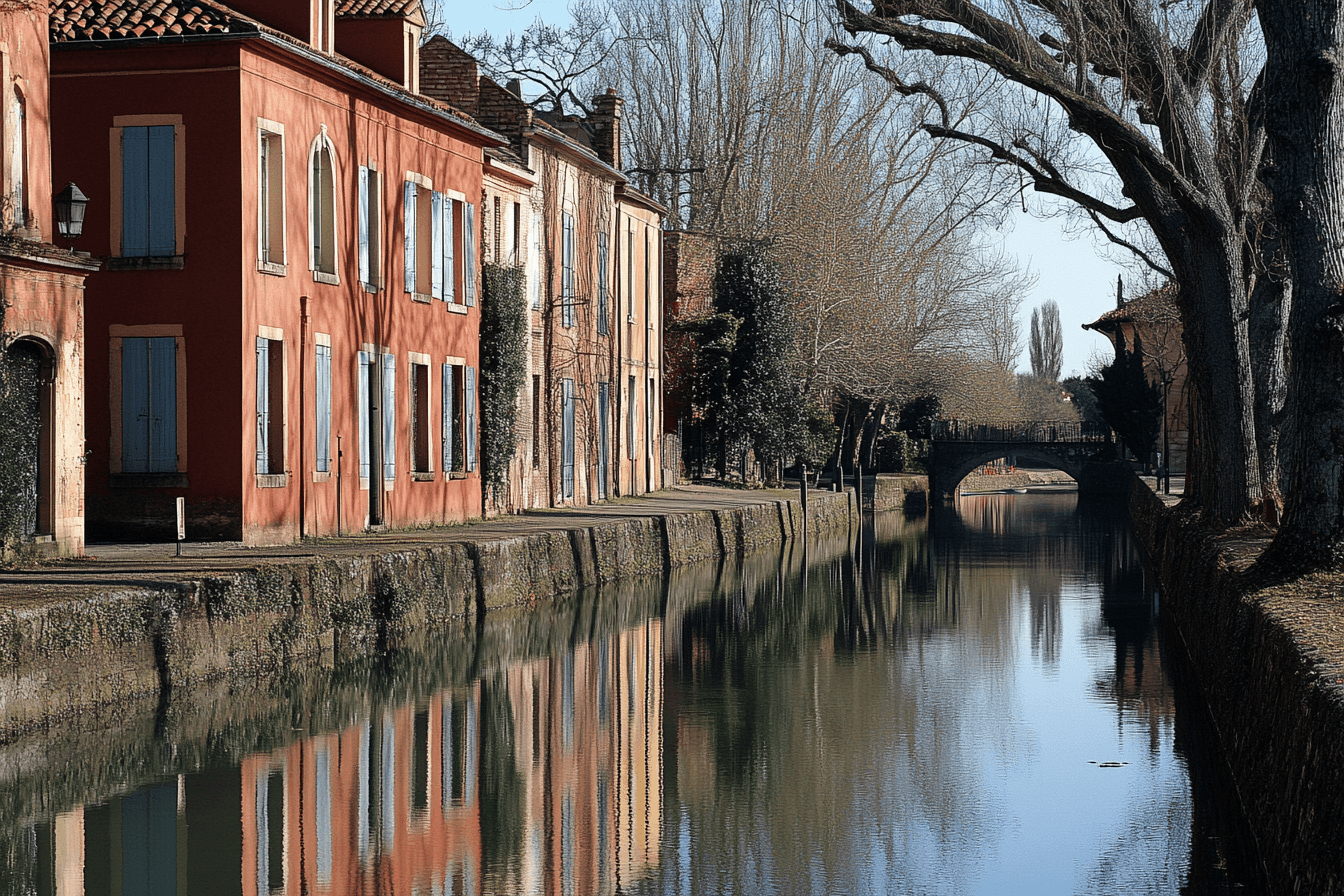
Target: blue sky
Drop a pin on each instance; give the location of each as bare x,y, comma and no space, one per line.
1069,271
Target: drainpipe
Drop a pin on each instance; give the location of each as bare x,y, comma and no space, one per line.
303,416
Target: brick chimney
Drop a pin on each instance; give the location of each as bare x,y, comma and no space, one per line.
605,122
449,74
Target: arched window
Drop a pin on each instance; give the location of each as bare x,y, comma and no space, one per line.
322,208
18,162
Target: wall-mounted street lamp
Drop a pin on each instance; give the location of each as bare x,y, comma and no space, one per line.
70,205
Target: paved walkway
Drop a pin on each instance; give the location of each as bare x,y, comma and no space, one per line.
117,567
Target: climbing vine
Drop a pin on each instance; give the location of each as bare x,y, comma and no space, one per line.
504,335
20,425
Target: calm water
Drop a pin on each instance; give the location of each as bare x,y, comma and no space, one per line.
983,702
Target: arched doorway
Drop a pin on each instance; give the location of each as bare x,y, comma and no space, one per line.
26,440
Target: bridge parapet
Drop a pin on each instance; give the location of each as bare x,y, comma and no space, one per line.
1017,431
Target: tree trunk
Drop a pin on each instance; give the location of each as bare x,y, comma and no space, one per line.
1270,302
1304,89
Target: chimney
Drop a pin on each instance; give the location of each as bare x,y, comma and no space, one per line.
515,87
605,122
449,74
1119,291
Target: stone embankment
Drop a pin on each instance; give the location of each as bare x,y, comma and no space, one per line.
69,651
1270,662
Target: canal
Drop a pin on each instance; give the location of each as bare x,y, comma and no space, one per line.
981,701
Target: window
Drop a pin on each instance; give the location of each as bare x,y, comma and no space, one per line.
323,378
515,253
536,421
370,228
17,213
271,199
419,378
270,409
602,326
148,204
148,400
630,274
438,239
498,234
376,422
566,269
534,259
567,438
459,417
603,404
648,273
630,422
322,211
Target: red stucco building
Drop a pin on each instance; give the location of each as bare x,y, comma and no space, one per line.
285,329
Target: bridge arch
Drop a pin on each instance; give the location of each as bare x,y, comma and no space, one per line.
1025,455
958,448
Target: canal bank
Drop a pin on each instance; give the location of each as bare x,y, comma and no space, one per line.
1270,662
79,635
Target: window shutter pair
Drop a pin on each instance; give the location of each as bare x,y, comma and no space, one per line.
148,204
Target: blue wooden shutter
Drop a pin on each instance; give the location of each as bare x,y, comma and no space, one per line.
448,418
409,209
449,252
135,191
323,408
263,405
162,205
134,405
567,438
389,416
363,213
162,404
602,327
469,252
362,385
470,401
436,244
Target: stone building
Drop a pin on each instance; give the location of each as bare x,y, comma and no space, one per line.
41,286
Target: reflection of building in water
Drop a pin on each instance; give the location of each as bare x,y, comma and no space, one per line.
391,803
588,746
387,805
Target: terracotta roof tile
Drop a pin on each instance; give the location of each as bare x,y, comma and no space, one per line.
1157,306
73,20
350,8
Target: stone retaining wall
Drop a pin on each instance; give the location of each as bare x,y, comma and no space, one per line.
60,659
1277,703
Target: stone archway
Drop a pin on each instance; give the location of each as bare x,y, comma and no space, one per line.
952,461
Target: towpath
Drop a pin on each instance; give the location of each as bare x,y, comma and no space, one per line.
118,567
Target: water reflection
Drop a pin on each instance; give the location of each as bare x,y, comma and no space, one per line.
978,702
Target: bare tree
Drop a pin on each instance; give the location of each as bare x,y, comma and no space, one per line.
1047,342
1161,90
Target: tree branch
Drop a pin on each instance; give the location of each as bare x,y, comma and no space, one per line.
1120,241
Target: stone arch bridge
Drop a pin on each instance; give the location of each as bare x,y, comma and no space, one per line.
1087,453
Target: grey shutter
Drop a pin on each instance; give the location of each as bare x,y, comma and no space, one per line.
630,421
448,418
162,207
469,253
323,409
449,253
134,405
389,416
162,404
603,402
470,401
135,191
567,271
362,385
263,405
567,438
436,243
363,214
409,197
602,326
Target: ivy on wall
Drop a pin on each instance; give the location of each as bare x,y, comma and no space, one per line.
20,428
504,335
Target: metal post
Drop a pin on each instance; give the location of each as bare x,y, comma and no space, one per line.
802,488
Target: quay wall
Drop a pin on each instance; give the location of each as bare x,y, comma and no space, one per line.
1275,695
68,657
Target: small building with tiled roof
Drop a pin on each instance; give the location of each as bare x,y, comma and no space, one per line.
285,332
1156,322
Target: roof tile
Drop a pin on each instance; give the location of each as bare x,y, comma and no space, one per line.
74,20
